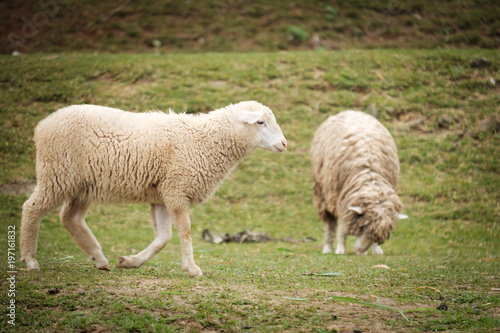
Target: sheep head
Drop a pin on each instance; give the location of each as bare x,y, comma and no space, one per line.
374,216
261,122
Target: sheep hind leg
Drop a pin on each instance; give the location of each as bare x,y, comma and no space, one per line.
34,209
162,226
72,216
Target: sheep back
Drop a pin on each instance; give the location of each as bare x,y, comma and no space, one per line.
100,154
355,163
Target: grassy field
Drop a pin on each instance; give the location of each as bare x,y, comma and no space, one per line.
443,113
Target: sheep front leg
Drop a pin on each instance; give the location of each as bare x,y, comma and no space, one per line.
183,225
341,238
328,235
162,226
376,249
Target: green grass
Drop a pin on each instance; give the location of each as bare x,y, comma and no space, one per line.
449,184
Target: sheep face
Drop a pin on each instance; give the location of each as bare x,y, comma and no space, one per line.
263,124
376,228
374,221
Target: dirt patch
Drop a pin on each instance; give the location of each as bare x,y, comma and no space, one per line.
340,316
190,306
218,84
18,187
97,328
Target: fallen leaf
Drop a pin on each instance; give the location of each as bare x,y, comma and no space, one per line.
67,257
207,251
419,310
173,293
175,317
297,298
380,76
323,274
426,287
77,314
381,266
355,301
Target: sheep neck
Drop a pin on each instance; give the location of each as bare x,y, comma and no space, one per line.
219,150
229,145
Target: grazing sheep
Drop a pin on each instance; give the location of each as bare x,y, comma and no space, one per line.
355,170
88,153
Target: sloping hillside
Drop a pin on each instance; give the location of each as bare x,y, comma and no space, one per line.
242,25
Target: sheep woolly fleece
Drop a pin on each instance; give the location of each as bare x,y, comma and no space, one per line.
90,153
100,154
355,164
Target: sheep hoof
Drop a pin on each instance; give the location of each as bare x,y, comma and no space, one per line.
102,263
122,263
126,262
327,249
104,268
340,251
377,250
32,265
195,273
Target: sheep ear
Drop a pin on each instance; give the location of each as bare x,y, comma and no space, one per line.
356,209
249,117
402,216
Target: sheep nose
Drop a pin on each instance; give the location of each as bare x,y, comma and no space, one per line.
284,143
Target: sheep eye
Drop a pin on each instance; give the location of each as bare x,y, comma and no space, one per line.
260,122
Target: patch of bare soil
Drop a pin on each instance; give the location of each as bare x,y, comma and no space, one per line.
181,303
97,328
340,316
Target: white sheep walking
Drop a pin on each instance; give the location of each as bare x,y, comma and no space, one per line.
88,153
355,170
